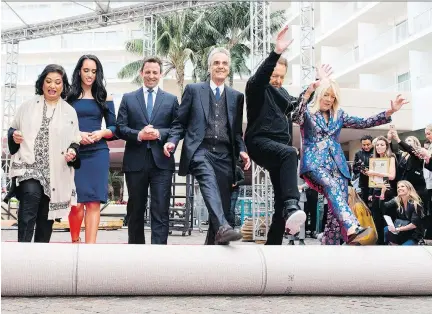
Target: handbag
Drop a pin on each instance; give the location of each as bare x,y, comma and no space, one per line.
401,223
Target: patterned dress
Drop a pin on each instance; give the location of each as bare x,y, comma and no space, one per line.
324,167
40,169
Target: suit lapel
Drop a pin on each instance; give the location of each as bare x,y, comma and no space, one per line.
230,99
159,97
205,99
141,101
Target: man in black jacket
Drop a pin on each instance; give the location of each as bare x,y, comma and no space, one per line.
268,138
361,161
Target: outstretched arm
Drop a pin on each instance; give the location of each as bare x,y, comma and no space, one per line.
262,75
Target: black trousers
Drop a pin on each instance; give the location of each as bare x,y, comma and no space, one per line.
311,208
33,210
281,162
160,181
214,174
365,194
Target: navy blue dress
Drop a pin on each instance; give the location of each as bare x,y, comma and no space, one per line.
91,180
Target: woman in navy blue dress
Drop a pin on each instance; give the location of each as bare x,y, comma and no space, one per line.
89,98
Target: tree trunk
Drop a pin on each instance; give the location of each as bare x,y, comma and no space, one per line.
180,78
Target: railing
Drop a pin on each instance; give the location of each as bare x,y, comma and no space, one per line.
386,40
404,86
347,60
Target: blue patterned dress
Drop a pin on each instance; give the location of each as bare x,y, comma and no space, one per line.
324,167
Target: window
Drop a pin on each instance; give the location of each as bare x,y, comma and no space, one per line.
404,83
401,30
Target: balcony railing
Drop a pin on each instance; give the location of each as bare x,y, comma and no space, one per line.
384,41
404,86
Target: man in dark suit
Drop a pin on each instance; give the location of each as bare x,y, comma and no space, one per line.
361,161
210,121
143,121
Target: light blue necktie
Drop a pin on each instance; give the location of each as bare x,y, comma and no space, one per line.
150,103
217,94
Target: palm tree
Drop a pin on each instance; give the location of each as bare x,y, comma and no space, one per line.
131,70
228,26
174,42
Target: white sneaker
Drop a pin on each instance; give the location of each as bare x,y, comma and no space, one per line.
294,221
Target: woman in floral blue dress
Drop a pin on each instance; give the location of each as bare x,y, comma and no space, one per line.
323,164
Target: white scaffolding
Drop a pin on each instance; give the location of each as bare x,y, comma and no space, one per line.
307,42
9,103
262,190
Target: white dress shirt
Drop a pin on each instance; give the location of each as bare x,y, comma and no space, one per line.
213,87
146,94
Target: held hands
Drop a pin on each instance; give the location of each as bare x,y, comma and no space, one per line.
149,133
168,148
86,138
281,42
17,137
246,160
70,154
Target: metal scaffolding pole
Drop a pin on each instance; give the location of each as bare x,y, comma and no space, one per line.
9,102
307,43
149,36
262,190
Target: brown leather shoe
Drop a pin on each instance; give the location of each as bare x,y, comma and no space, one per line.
359,235
227,234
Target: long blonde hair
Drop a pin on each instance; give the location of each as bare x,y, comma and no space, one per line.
413,198
354,198
319,94
416,145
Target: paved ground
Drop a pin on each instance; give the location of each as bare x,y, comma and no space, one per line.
210,304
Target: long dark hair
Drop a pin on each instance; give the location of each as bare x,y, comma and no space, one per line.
98,89
53,68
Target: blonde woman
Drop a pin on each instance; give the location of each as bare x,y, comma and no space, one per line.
323,163
409,213
363,214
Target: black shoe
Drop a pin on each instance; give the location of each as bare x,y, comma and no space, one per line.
227,234
291,242
301,242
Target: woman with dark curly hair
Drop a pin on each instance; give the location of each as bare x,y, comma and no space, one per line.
89,98
44,143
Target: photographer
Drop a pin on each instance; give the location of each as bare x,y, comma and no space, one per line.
361,161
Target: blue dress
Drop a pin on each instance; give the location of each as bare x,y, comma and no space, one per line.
91,180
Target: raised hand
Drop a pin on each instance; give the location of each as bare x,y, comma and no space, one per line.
398,103
324,71
282,43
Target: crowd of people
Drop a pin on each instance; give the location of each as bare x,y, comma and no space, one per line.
60,157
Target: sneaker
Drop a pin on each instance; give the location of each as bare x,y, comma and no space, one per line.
294,220
291,242
302,242
227,234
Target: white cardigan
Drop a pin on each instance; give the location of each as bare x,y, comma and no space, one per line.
63,131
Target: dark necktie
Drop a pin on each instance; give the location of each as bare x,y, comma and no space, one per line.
150,102
217,94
